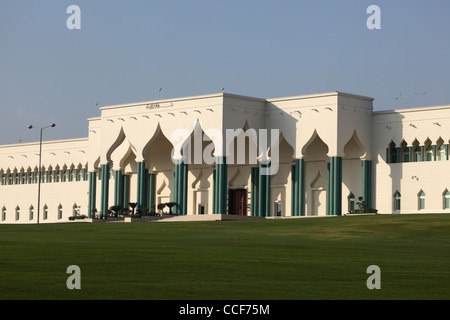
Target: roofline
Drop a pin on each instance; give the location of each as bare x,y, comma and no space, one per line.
29,144
407,110
319,95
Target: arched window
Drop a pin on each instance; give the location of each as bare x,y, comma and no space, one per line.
75,210
351,202
31,213
442,153
446,196
17,213
3,213
406,157
418,154
393,153
421,200
397,201
45,212
60,212
429,153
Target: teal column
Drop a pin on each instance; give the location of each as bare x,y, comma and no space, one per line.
299,188
177,187
367,182
142,186
221,186
264,190
185,188
92,192
105,190
180,187
214,191
126,191
328,189
152,192
118,188
293,193
335,178
254,189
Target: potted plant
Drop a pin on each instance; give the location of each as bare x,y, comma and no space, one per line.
171,205
161,207
133,206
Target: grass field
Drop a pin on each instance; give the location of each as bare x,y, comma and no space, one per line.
318,258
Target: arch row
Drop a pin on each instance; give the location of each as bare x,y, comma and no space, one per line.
28,214
422,202
50,174
417,151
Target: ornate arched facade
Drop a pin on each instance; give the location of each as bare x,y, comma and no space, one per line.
308,155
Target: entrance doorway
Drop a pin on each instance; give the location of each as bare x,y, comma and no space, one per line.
237,201
278,209
318,203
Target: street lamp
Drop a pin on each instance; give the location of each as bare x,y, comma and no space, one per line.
40,169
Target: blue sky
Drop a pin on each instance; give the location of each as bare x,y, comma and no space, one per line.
126,50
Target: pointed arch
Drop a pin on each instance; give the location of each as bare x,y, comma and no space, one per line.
397,200
354,148
162,186
446,199
421,200
120,137
315,148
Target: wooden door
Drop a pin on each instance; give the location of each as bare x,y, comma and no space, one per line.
237,201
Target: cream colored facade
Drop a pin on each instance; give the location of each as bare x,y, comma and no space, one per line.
325,150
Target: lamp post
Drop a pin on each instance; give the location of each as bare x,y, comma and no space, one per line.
40,168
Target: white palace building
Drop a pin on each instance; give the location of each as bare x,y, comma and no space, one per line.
309,155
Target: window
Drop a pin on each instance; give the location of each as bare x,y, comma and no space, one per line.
351,202
45,212
3,214
75,210
60,212
31,213
442,153
17,213
429,153
397,201
446,199
394,155
4,180
418,154
406,157
421,198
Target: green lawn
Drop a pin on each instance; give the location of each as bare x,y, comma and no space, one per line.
317,258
